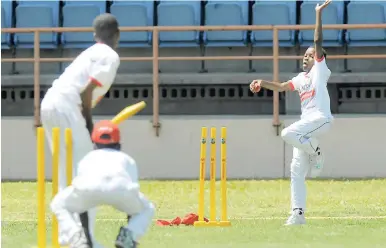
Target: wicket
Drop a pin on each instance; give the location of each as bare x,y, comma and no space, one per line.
201,208
42,243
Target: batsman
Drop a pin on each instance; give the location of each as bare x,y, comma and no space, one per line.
73,95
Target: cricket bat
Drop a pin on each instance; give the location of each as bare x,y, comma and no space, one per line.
128,112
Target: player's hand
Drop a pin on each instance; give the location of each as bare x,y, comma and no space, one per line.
324,5
255,86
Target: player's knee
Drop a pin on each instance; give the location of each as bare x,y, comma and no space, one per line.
288,135
285,133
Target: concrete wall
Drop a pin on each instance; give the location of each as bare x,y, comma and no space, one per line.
355,147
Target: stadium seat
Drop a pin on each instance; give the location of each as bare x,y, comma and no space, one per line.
219,13
80,14
331,15
6,22
134,14
273,13
366,13
31,14
179,13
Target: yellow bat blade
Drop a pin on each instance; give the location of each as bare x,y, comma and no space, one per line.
128,112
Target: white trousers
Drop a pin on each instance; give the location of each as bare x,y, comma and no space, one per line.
303,136
118,193
56,112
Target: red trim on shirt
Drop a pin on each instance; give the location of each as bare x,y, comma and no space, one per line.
319,60
291,85
306,95
96,82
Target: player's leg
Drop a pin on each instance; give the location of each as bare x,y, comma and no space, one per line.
67,117
304,135
138,223
140,212
82,145
52,117
299,169
64,205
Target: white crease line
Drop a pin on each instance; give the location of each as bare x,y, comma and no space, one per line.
240,218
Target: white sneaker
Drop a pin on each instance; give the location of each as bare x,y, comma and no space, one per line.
297,218
317,163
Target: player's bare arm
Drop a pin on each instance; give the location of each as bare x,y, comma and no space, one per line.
256,85
318,34
86,97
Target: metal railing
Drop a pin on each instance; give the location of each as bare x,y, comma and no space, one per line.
156,58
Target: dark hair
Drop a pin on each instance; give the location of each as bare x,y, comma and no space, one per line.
115,146
324,52
106,28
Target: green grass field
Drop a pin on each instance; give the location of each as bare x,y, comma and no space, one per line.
340,214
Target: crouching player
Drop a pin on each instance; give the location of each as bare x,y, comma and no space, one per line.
105,176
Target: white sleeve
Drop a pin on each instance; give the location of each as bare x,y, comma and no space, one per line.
295,83
104,70
322,69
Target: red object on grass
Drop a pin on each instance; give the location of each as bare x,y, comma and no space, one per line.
188,220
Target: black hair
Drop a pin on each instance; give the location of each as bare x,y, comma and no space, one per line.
324,52
114,146
106,28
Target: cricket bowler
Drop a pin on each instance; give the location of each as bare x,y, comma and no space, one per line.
315,121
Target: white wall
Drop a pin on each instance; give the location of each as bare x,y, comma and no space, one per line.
355,147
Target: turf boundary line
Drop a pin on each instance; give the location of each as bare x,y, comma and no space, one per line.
240,218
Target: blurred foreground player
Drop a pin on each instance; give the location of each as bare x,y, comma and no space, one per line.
315,120
105,176
68,103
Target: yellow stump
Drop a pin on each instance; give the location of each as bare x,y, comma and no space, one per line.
55,181
41,188
42,232
69,156
223,153
212,217
201,209
201,194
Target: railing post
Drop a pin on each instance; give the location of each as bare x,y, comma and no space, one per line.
156,123
276,121
37,77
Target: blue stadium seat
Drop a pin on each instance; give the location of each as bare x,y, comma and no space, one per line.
37,14
134,14
273,13
366,12
331,15
6,22
219,13
179,13
80,14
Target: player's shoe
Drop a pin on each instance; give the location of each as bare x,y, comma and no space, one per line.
297,218
317,163
125,239
79,240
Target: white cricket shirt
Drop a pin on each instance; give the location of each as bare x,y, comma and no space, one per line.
98,63
105,165
312,88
